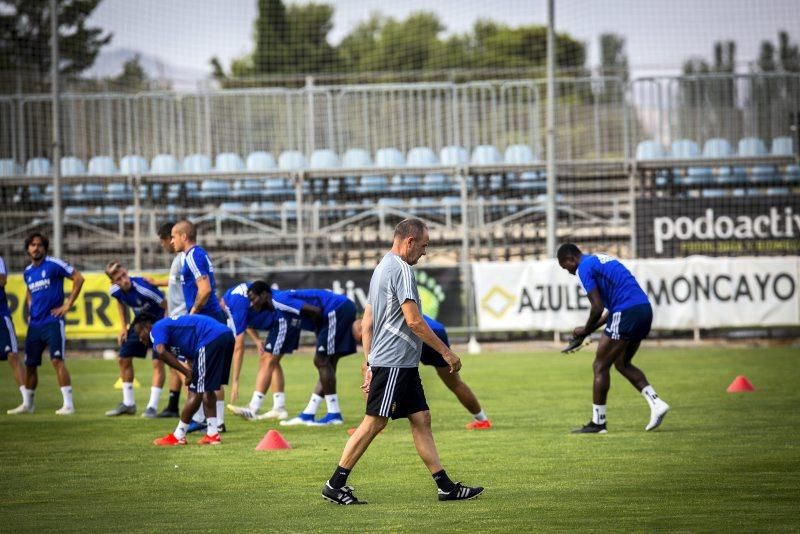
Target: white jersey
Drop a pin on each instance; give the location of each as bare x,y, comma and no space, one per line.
175,301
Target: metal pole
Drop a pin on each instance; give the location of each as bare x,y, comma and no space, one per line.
58,228
473,347
551,133
300,257
135,182
310,134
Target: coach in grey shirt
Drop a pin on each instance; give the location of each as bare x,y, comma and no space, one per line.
393,333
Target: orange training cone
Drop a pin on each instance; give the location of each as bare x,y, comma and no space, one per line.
272,441
740,384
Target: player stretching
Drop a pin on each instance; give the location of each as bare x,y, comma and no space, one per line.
209,345
8,339
46,325
393,332
199,286
628,317
142,297
452,380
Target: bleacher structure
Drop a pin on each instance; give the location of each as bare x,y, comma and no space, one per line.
319,176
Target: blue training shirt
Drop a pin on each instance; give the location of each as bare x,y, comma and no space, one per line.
619,290
325,299
244,316
46,285
197,264
142,297
3,299
184,335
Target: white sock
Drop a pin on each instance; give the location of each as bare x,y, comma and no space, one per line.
480,416
22,392
333,403
127,394
213,426
66,392
599,414
650,396
180,431
155,396
313,404
27,396
279,401
220,413
200,415
256,401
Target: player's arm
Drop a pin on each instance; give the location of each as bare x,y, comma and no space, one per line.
170,359
123,333
77,284
596,315
28,299
313,313
252,334
238,358
164,307
417,323
366,340
3,279
203,293
157,282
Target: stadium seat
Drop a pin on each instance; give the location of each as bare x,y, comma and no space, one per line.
751,146
389,157
164,164
278,187
520,155
453,155
783,146
232,207
196,163
687,149
133,164
72,166
9,167
292,160
102,166
485,155
651,149
229,162
355,158
37,167
324,159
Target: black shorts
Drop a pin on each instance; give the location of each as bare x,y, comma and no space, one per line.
212,364
395,392
632,324
132,347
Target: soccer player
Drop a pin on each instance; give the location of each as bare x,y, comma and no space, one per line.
8,339
283,338
199,286
46,324
393,334
142,297
334,340
627,316
208,345
452,380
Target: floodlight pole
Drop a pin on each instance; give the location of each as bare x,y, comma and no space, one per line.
58,228
551,133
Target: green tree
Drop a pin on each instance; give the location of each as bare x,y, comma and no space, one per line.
272,33
25,37
613,62
133,77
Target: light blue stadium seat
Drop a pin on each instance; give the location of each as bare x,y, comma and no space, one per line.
784,146
164,164
650,149
486,155
453,155
9,167
520,155
118,191
229,162
196,163
355,158
72,166
37,167
102,166
389,157
133,164
391,202
232,207
292,160
264,211
260,161
753,147
324,159
278,187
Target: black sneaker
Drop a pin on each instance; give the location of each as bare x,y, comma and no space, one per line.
591,428
460,493
221,428
343,495
168,413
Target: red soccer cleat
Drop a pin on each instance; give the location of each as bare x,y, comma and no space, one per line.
169,440
210,440
479,425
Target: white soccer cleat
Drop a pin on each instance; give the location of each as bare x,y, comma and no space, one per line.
276,413
65,410
657,415
242,411
302,419
22,408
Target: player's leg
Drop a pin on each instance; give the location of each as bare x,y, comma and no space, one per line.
608,350
126,374
658,408
193,402
34,348
334,415
156,388
466,397
175,386
8,350
57,343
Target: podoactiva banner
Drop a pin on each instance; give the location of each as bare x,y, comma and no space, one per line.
686,293
730,226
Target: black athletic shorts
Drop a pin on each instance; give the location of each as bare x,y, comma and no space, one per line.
395,392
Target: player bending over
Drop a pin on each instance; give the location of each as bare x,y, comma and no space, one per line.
8,338
628,317
452,380
142,297
208,345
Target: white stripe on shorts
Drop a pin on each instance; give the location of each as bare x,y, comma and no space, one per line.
63,324
12,335
388,392
332,333
201,370
280,338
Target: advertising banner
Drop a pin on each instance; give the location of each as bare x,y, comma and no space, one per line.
729,226
685,293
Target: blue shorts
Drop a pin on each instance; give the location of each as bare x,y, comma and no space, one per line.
8,337
336,336
46,335
132,347
431,357
632,324
284,336
211,367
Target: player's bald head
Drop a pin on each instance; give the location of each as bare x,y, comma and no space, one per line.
185,228
409,228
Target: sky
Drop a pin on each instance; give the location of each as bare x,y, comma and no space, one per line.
660,34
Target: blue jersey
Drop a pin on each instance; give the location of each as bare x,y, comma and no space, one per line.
3,300
244,316
196,265
46,285
618,288
324,299
437,327
286,302
184,335
142,297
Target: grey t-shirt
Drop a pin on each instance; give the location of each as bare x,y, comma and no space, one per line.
175,301
393,342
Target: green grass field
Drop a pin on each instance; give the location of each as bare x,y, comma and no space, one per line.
720,461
